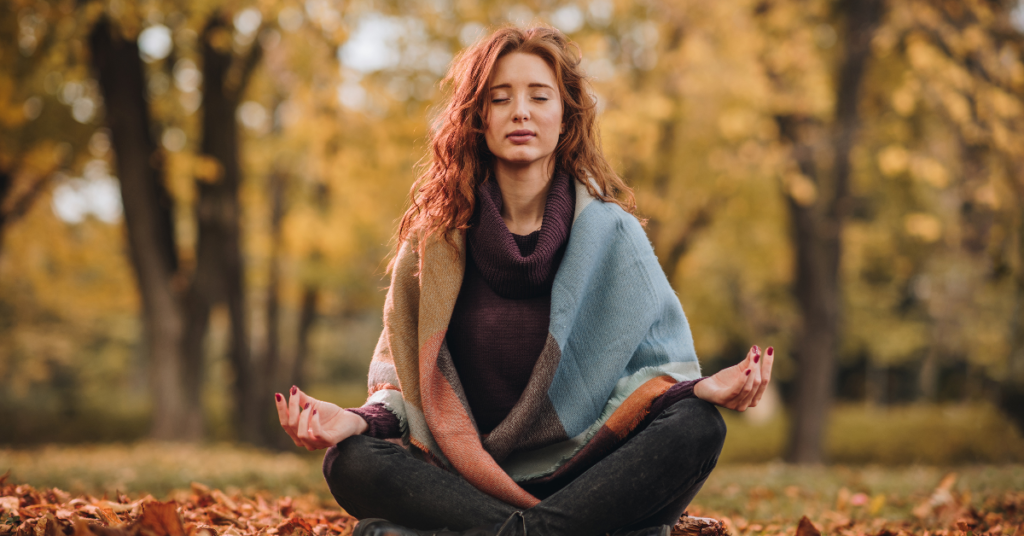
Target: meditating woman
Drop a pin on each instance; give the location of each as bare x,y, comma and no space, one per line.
536,373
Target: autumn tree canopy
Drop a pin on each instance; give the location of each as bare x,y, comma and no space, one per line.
197,198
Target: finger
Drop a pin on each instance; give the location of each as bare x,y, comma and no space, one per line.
755,384
294,409
746,391
282,408
282,415
740,379
766,374
303,427
766,364
315,431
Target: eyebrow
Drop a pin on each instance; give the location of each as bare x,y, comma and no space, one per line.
508,86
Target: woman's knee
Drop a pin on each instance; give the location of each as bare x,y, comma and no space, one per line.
355,460
701,422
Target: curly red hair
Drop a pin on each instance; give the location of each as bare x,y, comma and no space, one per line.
444,195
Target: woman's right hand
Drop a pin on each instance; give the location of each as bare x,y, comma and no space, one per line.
315,424
740,386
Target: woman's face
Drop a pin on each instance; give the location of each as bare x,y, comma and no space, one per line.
524,113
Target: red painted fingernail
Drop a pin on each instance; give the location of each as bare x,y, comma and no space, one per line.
294,390
770,351
314,413
757,350
757,358
748,372
306,406
278,397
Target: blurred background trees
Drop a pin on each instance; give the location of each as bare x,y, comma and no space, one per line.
197,198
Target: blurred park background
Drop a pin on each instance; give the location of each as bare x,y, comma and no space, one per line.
198,198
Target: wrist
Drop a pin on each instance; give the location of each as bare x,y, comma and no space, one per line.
700,390
361,425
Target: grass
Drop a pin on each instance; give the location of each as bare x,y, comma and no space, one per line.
161,468
773,492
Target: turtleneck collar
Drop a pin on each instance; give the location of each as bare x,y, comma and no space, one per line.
516,266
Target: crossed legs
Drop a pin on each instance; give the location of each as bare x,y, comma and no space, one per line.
648,481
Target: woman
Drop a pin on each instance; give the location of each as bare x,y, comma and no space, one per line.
536,373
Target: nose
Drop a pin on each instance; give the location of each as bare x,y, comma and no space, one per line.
520,113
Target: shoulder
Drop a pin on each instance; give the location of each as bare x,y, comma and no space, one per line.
609,220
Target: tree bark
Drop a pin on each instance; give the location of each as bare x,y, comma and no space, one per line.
817,226
11,208
1011,392
274,379
6,183
219,275
150,228
310,297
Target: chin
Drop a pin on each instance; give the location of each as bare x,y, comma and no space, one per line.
519,158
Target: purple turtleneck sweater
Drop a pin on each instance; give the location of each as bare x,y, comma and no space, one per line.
500,321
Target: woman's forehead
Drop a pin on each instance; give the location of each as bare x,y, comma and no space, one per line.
522,69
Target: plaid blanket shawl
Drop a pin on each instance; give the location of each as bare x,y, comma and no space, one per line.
617,340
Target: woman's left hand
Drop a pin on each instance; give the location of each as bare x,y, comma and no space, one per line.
740,386
315,424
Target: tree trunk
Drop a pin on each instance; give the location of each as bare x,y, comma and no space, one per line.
817,227
12,208
6,183
1011,392
306,319
150,228
219,275
274,378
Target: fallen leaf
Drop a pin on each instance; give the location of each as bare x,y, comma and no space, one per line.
158,519
698,526
806,528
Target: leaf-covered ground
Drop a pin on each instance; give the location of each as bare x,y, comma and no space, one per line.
202,511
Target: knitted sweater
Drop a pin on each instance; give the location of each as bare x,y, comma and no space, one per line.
617,341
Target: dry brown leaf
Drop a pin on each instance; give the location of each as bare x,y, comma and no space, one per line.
159,519
806,528
294,527
698,526
47,526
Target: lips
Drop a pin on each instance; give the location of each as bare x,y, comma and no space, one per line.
521,136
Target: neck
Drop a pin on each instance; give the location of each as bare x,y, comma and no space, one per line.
524,192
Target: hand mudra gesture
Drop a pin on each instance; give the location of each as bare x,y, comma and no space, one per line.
315,424
740,386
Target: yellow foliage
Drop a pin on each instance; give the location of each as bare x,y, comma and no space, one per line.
930,171
801,188
893,160
207,169
924,227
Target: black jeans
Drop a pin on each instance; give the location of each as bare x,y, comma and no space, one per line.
648,481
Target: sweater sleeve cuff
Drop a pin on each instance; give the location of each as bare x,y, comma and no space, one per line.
679,391
382,423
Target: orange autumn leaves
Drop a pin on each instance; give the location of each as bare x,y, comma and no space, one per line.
201,511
